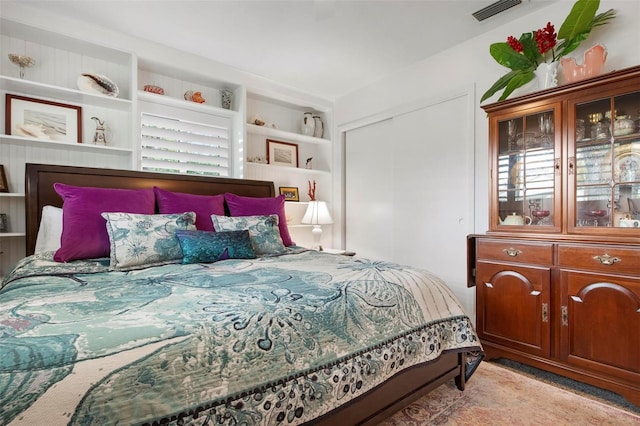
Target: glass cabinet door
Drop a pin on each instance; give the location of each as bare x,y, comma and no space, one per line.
606,165
527,172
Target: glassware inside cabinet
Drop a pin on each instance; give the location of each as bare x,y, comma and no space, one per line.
626,183
526,170
594,206
627,113
607,163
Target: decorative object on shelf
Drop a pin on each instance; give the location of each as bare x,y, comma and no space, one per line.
282,153
309,164
257,159
41,119
290,193
312,191
4,184
592,65
523,56
192,96
97,83
257,120
515,219
541,216
102,134
317,214
546,75
623,125
634,207
4,223
225,98
154,89
22,61
319,126
308,124
629,223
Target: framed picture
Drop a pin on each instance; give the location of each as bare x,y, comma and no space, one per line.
40,119
4,185
290,193
282,153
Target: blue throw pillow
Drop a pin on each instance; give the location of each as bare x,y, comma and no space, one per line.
208,246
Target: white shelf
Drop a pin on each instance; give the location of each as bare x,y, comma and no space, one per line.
282,134
80,146
11,234
12,194
57,93
181,103
288,169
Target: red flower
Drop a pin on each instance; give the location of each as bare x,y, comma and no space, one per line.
515,44
545,38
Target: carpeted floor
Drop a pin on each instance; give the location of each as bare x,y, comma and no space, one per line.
497,395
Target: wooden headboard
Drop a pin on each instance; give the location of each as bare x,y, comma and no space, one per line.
39,180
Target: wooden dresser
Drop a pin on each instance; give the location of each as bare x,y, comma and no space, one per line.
557,274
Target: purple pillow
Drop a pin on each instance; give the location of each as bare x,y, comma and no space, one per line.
203,206
84,230
253,206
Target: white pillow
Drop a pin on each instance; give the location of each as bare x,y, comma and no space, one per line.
50,230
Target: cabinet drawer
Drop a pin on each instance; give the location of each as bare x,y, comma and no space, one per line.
516,251
600,258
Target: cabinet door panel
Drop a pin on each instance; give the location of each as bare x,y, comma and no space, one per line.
600,327
513,306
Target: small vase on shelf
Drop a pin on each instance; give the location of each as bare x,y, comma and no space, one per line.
319,127
308,124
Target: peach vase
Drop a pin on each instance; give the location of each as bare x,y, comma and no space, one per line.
592,65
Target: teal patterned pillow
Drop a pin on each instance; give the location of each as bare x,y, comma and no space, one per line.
143,240
207,246
263,230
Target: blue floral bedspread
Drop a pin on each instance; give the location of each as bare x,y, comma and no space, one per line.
275,340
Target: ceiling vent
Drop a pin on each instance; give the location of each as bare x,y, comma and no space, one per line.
495,8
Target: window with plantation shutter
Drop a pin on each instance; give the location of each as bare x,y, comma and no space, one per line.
179,140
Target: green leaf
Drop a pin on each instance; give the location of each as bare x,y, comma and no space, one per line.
569,46
520,79
506,56
530,49
603,18
579,19
505,80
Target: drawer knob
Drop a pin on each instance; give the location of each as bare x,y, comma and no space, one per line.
512,251
605,259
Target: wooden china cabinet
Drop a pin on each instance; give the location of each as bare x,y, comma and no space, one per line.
557,274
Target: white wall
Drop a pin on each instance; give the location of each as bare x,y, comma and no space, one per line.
470,64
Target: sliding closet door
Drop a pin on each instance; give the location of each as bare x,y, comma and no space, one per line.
369,189
409,188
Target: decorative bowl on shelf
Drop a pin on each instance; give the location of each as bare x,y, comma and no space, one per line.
540,213
623,125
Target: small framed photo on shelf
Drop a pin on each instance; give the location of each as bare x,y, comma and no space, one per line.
4,184
290,193
282,153
41,119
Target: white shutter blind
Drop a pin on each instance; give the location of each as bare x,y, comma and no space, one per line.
177,140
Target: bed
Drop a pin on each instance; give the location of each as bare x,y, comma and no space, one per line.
297,337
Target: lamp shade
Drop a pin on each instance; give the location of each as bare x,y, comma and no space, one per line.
317,214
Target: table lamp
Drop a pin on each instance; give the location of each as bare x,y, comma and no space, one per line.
317,214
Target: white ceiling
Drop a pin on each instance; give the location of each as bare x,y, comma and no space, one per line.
325,47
